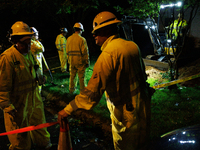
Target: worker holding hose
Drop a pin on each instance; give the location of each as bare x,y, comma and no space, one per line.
20,99
120,73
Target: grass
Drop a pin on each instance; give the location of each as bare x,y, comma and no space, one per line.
170,109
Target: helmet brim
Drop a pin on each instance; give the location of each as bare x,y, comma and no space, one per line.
106,24
24,33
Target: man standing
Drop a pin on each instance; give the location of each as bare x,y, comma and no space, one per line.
61,47
19,94
120,73
37,49
78,57
178,27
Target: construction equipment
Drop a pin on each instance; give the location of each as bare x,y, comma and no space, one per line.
48,69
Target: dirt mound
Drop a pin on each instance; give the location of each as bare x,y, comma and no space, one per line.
188,70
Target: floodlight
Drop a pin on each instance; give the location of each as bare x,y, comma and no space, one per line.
179,4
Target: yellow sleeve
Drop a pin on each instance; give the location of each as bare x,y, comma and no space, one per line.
36,47
6,75
57,42
85,51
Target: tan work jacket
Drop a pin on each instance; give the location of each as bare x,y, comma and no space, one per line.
18,88
77,50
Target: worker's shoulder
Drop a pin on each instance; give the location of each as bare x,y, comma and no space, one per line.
121,41
60,36
8,53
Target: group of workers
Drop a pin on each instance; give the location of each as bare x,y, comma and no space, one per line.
119,72
73,50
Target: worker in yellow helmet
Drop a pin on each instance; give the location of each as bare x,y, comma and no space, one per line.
61,47
78,57
20,99
37,49
120,73
177,28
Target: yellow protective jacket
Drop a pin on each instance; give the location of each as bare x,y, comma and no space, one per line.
61,43
18,88
119,71
37,49
176,28
77,50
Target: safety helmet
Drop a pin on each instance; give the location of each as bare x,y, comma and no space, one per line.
103,19
79,26
63,30
20,28
34,31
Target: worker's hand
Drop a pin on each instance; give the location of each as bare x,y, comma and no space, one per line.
62,115
13,112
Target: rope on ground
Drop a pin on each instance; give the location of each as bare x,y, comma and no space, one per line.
176,81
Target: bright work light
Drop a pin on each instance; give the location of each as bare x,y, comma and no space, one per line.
178,4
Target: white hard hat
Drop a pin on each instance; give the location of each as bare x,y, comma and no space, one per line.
79,26
20,28
34,30
103,19
63,30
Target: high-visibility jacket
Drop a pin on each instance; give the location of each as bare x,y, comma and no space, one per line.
61,43
19,90
176,28
37,49
77,50
120,72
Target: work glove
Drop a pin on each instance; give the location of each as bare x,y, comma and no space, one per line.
62,116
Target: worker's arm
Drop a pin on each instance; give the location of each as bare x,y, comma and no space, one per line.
85,52
6,76
91,95
57,42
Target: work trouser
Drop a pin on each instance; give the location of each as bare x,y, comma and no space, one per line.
63,60
74,69
32,116
133,135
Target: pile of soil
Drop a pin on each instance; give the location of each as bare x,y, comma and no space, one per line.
188,70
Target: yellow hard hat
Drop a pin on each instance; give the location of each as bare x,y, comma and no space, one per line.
103,19
78,25
20,28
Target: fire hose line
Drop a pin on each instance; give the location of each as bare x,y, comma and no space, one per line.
30,128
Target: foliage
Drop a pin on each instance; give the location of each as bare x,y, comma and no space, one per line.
140,8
